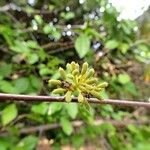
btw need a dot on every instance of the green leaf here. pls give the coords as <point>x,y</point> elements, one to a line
<point>47,29</point>
<point>38,19</point>
<point>5,70</point>
<point>66,126</point>
<point>21,85</point>
<point>111,44</point>
<point>7,87</point>
<point>40,108</point>
<point>32,58</point>
<point>104,95</point>
<point>27,143</point>
<point>67,16</point>
<point>44,71</point>
<point>124,47</point>
<point>35,82</point>
<point>126,28</point>
<point>131,88</point>
<point>20,47</point>
<point>9,113</point>
<point>132,128</point>
<point>143,47</point>
<point>77,141</point>
<point>54,107</point>
<point>94,32</point>
<point>82,45</point>
<point>32,44</point>
<point>56,34</point>
<point>124,78</point>
<point>72,110</point>
<point>4,144</point>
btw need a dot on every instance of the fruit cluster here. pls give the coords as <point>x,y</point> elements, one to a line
<point>75,82</point>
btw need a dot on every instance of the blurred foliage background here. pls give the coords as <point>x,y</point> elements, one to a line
<point>36,37</point>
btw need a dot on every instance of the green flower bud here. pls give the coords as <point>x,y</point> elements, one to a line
<point>69,68</point>
<point>89,87</point>
<point>84,68</point>
<point>68,96</point>
<point>54,82</point>
<point>90,73</point>
<point>98,89</point>
<point>75,72</point>
<point>59,91</point>
<point>82,88</point>
<point>70,76</point>
<point>77,66</point>
<point>80,98</point>
<point>91,81</point>
<point>103,85</point>
<point>73,65</point>
<point>62,73</point>
<point>95,94</point>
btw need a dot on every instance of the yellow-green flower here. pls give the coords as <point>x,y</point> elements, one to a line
<point>76,82</point>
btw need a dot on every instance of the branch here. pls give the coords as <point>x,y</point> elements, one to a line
<point>29,98</point>
<point>61,49</point>
<point>75,124</point>
<point>56,44</point>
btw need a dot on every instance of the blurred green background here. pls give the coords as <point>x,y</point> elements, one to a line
<point>38,36</point>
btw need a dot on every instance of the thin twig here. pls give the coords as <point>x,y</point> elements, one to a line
<point>55,44</point>
<point>29,98</point>
<point>61,49</point>
<point>75,124</point>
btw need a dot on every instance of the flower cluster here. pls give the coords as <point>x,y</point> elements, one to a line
<point>77,82</point>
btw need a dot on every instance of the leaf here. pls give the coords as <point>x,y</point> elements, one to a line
<point>124,47</point>
<point>47,29</point>
<point>66,126</point>
<point>104,94</point>
<point>124,78</point>
<point>27,143</point>
<point>94,33</point>
<point>40,108</point>
<point>143,47</point>
<point>44,71</point>
<point>72,110</point>
<point>77,141</point>
<point>32,44</point>
<point>20,47</point>
<point>4,143</point>
<point>111,44</point>
<point>35,82</point>
<point>131,88</point>
<point>126,28</point>
<point>82,45</point>
<point>32,58</point>
<point>54,107</point>
<point>38,19</point>
<point>7,87</point>
<point>67,16</point>
<point>5,70</point>
<point>132,128</point>
<point>56,34</point>
<point>9,113</point>
<point>21,85</point>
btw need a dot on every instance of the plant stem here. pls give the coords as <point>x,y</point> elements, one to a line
<point>29,98</point>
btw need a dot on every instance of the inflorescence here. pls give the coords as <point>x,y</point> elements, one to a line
<point>77,82</point>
